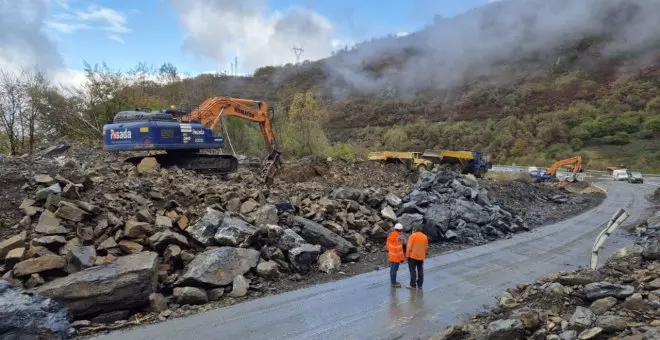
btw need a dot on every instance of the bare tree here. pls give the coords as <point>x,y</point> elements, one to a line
<point>11,107</point>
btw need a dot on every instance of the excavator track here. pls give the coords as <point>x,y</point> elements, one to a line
<point>205,163</point>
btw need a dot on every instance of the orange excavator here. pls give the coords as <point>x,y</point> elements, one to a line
<point>182,135</point>
<point>574,163</point>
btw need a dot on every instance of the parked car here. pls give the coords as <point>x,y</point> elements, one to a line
<point>620,175</point>
<point>635,177</point>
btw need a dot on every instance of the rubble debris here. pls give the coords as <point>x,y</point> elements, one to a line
<point>76,217</point>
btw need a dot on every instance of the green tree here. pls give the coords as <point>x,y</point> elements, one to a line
<point>396,138</point>
<point>303,128</point>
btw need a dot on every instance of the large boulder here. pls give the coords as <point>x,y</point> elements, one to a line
<point>233,232</point>
<point>289,240</point>
<point>600,290</point>
<point>25,316</point>
<point>470,212</point>
<point>123,284</point>
<point>218,267</point>
<point>347,193</point>
<point>203,231</point>
<point>315,233</point>
<point>303,258</point>
<point>437,221</point>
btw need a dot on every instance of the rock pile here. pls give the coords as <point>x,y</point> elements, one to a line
<point>455,208</point>
<point>620,300</point>
<point>110,239</point>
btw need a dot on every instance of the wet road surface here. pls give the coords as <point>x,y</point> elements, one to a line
<point>455,285</point>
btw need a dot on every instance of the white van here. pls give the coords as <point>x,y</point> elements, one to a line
<point>620,175</point>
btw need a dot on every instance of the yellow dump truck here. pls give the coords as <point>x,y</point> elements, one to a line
<point>465,162</point>
<point>413,160</point>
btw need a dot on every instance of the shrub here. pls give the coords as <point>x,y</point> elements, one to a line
<point>577,144</point>
<point>343,151</point>
<point>620,138</point>
<point>652,124</point>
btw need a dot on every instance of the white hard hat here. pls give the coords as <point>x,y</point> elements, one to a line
<point>398,226</point>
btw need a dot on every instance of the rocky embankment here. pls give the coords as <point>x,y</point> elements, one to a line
<point>620,300</point>
<point>121,245</point>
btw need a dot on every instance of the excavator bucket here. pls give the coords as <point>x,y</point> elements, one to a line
<point>270,166</point>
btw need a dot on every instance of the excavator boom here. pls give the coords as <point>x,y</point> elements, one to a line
<point>575,163</point>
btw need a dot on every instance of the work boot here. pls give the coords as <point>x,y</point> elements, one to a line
<point>410,287</point>
<point>396,284</point>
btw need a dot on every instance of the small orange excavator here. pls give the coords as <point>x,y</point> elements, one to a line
<point>182,135</point>
<point>574,163</point>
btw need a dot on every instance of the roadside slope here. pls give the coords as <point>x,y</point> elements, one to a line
<point>365,307</point>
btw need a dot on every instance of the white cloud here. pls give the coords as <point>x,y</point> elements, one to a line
<point>116,38</point>
<point>219,29</point>
<point>67,21</point>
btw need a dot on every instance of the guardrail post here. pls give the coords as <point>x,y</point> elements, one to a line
<point>616,220</point>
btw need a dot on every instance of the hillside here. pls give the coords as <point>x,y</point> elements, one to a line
<point>525,81</point>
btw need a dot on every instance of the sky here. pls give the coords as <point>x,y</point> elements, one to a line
<point>198,36</point>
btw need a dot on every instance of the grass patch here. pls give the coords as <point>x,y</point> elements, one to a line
<point>509,176</point>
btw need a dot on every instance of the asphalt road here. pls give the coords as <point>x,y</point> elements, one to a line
<point>456,284</point>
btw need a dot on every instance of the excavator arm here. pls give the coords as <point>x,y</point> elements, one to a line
<point>210,111</point>
<point>575,162</point>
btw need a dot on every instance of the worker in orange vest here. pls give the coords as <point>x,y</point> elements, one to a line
<point>418,245</point>
<point>396,240</point>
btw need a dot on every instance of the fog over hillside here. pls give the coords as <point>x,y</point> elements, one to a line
<point>471,44</point>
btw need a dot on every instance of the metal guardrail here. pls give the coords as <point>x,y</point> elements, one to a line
<point>619,217</point>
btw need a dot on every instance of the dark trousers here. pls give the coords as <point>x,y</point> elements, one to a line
<point>416,272</point>
<point>394,267</point>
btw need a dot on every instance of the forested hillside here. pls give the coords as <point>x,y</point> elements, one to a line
<point>525,81</point>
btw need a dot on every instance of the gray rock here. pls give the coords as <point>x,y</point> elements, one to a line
<point>190,296</point>
<point>302,258</point>
<point>81,257</point>
<point>601,306</point>
<point>289,240</point>
<point>437,221</point>
<point>203,231</point>
<point>590,333</point>
<point>409,221</point>
<point>240,286</point>
<point>268,269</point>
<point>470,212</point>
<point>49,224</point>
<point>315,233</point>
<point>347,193</point>
<point>583,317</point>
<point>233,232</point>
<point>42,194</point>
<point>125,283</point>
<point>163,222</point>
<point>266,214</point>
<point>388,213</point>
<point>160,240</point>
<point>651,251</point>
<point>611,323</point>
<point>512,329</point>
<point>215,294</point>
<point>568,335</point>
<point>393,200</point>
<point>580,278</point>
<point>218,267</point>
<point>27,315</point>
<point>329,262</point>
<point>599,290</point>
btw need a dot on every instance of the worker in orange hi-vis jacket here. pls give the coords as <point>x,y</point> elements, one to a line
<point>418,245</point>
<point>396,241</point>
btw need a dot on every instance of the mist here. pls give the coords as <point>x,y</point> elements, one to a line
<point>470,45</point>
